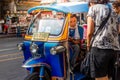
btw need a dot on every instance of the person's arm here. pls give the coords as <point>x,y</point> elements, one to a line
<point>90,30</point>
<point>119,24</point>
<point>119,28</point>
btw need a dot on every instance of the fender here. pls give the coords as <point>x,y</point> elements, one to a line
<point>36,62</point>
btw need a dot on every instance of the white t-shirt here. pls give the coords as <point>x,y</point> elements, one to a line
<point>108,37</point>
<point>76,34</point>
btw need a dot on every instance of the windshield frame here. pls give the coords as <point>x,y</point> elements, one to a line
<point>33,20</point>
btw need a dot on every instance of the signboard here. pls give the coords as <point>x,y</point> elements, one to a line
<point>23,7</point>
<point>26,5</point>
<point>40,36</point>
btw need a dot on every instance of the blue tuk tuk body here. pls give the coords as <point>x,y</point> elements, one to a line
<point>44,65</point>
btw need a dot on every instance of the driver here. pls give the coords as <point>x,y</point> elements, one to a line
<point>74,38</point>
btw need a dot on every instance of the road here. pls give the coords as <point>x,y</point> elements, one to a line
<point>11,60</point>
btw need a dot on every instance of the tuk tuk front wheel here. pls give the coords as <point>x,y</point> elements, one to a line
<point>33,76</point>
<point>47,75</point>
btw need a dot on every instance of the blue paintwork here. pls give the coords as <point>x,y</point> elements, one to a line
<point>26,51</point>
<point>69,7</point>
<point>56,61</point>
<point>42,71</point>
<point>31,62</point>
<point>53,62</point>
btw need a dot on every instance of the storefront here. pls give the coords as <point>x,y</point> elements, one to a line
<point>15,14</point>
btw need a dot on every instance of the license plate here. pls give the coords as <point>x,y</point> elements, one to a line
<point>40,36</point>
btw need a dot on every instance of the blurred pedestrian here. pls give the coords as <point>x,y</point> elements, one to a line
<point>116,8</point>
<point>5,28</point>
<point>105,42</point>
<point>91,3</point>
<point>18,30</point>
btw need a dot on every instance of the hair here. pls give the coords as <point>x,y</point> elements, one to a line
<point>99,1</point>
<point>116,4</point>
<point>73,15</point>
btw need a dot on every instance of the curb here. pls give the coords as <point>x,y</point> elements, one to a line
<point>7,35</point>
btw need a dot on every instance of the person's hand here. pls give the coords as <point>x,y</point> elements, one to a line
<point>70,39</point>
<point>76,41</point>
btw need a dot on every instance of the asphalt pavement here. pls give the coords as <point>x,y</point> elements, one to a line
<point>11,59</point>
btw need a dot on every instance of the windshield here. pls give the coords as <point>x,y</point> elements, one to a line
<point>53,26</point>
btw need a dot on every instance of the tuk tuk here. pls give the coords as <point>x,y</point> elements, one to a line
<point>46,48</point>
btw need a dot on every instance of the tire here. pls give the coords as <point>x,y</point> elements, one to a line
<point>33,76</point>
<point>47,75</point>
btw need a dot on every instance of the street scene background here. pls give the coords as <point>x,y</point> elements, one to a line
<point>14,22</point>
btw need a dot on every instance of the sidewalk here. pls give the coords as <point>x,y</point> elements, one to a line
<point>7,35</point>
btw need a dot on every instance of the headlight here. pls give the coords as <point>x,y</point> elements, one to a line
<point>20,46</point>
<point>34,48</point>
<point>57,49</point>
